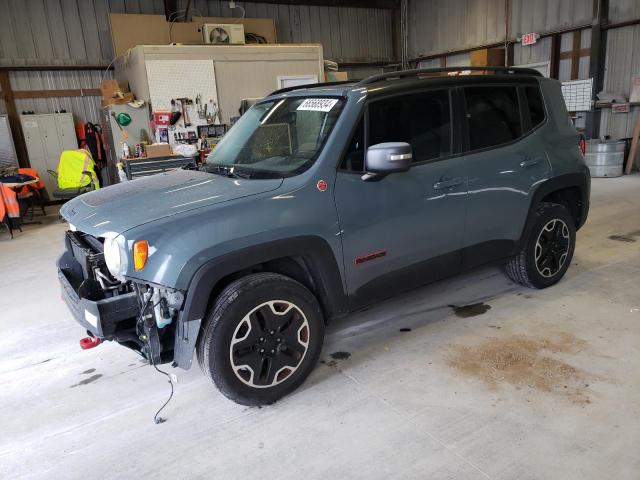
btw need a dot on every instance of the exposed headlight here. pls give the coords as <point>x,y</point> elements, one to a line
<point>115,255</point>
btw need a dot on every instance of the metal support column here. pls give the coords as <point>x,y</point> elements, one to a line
<point>597,60</point>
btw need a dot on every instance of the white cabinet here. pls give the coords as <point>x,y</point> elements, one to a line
<point>46,136</point>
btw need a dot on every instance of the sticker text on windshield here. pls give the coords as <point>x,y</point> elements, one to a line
<point>318,104</point>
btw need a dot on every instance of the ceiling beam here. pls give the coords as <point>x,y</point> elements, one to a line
<point>381,4</point>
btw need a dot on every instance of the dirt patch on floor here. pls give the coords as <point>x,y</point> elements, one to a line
<point>473,310</point>
<point>526,362</point>
<point>628,237</point>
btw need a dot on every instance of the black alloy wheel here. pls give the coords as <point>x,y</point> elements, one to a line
<point>262,338</point>
<point>269,343</point>
<point>552,247</point>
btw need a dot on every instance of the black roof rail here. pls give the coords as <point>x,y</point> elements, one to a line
<point>312,85</point>
<point>422,71</point>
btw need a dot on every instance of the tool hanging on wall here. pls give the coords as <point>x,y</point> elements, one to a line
<point>175,115</point>
<point>121,121</point>
<point>202,110</point>
<point>215,113</point>
<point>184,105</point>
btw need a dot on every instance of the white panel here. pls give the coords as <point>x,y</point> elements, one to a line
<point>577,94</point>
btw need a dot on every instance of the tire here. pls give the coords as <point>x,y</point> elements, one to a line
<point>546,254</point>
<point>262,338</point>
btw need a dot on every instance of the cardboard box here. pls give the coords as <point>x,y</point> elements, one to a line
<point>127,98</point>
<point>158,150</point>
<point>129,30</point>
<point>115,93</point>
<point>331,76</point>
<point>487,57</point>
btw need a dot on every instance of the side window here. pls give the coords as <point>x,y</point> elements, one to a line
<point>420,119</point>
<point>536,105</point>
<point>493,116</point>
<point>354,156</point>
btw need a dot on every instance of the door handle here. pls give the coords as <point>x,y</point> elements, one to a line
<point>450,183</point>
<point>529,163</point>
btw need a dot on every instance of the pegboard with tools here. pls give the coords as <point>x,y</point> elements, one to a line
<point>186,89</point>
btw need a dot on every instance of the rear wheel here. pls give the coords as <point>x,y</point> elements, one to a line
<point>548,250</point>
<point>262,338</point>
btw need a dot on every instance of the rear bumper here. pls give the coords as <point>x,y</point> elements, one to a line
<point>101,317</point>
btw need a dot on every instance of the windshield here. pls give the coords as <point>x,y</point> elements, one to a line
<point>276,139</point>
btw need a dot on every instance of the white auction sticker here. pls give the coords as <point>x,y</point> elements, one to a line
<point>318,104</point>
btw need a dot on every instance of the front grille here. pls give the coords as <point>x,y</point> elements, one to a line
<point>87,252</point>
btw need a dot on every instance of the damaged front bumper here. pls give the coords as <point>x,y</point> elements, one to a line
<point>100,317</point>
<point>142,317</point>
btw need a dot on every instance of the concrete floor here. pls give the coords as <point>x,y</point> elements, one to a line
<point>543,384</point>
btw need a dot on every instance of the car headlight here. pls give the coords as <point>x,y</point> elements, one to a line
<point>115,255</point>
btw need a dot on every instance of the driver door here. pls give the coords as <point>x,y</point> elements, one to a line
<point>405,229</point>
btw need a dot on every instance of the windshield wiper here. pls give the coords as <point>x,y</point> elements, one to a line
<point>227,171</point>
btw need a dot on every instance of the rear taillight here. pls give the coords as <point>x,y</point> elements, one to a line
<point>582,144</point>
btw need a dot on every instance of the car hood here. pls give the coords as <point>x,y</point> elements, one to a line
<point>120,207</point>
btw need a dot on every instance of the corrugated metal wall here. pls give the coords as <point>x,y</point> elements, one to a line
<point>440,26</point>
<point>549,15</point>
<point>346,34</point>
<point>437,26</point>
<point>622,62</point>
<point>76,32</point>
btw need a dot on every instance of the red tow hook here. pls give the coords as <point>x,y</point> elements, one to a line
<point>89,342</point>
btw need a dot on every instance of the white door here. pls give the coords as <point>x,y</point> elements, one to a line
<point>52,147</point>
<point>33,136</point>
<point>66,131</point>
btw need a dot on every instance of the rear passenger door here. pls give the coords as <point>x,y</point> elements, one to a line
<point>404,229</point>
<point>505,159</point>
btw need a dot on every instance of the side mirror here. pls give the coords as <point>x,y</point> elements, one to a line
<point>389,157</point>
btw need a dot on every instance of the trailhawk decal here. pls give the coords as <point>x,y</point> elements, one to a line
<point>370,256</point>
<point>318,104</point>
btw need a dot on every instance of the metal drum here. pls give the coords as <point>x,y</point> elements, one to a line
<point>605,159</point>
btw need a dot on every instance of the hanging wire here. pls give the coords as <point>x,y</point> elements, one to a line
<point>174,17</point>
<point>143,308</point>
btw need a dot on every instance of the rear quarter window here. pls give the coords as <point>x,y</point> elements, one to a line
<point>493,115</point>
<point>536,106</point>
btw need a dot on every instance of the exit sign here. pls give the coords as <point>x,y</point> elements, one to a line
<point>529,38</point>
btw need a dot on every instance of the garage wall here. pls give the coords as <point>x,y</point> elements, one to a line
<point>76,32</point>
<point>622,62</point>
<point>439,26</point>
<point>442,26</point>
<point>346,34</point>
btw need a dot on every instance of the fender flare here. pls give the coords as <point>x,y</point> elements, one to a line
<point>580,180</point>
<point>316,254</point>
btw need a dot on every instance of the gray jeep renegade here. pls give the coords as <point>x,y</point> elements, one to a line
<point>319,201</point>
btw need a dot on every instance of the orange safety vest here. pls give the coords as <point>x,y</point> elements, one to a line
<point>10,201</point>
<point>33,173</point>
<point>27,189</point>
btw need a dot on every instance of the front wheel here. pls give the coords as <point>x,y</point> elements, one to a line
<point>548,250</point>
<point>262,338</point>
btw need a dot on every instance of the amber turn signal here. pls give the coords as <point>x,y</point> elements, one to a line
<point>140,254</point>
